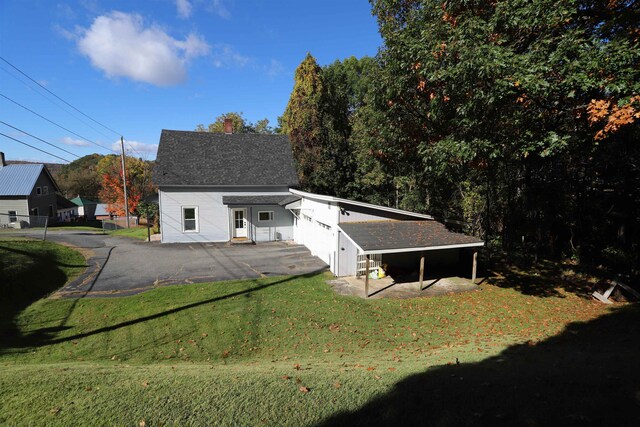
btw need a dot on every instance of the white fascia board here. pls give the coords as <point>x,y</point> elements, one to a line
<point>427,248</point>
<point>350,239</point>
<point>355,203</point>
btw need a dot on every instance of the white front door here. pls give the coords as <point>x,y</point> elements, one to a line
<point>239,222</point>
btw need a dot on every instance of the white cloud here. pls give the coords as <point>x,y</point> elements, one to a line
<point>120,45</point>
<point>224,56</point>
<point>75,142</point>
<point>184,8</point>
<point>218,7</point>
<point>136,148</point>
<point>275,68</point>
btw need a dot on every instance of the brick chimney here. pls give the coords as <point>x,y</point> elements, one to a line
<point>228,126</point>
<point>2,162</point>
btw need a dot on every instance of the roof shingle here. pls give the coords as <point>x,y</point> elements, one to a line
<point>395,235</point>
<point>217,159</point>
<point>259,200</point>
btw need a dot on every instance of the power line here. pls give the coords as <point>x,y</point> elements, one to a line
<point>35,148</point>
<point>52,101</point>
<point>56,124</point>
<point>66,103</point>
<point>39,139</point>
<point>43,87</point>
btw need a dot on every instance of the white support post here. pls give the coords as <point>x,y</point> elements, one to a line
<point>474,267</point>
<point>366,277</point>
<point>421,268</point>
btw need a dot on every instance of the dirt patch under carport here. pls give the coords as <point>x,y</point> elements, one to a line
<point>388,288</point>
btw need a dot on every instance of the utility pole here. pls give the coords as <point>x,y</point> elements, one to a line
<point>124,180</point>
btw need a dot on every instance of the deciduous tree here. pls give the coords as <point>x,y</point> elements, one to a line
<point>138,182</point>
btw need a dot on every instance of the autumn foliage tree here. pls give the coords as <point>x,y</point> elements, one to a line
<point>240,124</point>
<point>522,116</point>
<point>138,183</point>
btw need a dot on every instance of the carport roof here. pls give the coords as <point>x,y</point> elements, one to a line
<point>376,237</point>
<point>281,200</point>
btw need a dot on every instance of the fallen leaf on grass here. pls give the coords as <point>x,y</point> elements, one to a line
<point>145,384</point>
<point>392,369</point>
<point>286,377</point>
<point>371,368</point>
<point>142,423</point>
<point>296,366</point>
<point>337,385</point>
<point>304,389</point>
<point>54,411</point>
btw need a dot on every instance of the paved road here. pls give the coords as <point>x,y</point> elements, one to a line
<point>121,266</point>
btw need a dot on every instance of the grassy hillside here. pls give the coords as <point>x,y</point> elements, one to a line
<point>288,351</point>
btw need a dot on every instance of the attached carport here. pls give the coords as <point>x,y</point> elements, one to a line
<point>371,238</point>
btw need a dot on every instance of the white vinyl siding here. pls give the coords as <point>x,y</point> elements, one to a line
<point>214,218</point>
<point>317,229</point>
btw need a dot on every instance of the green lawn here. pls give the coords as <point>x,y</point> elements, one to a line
<point>135,232</point>
<point>288,351</point>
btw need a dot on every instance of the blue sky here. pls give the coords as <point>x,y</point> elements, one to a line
<point>141,66</point>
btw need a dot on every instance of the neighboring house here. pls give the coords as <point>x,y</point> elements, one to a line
<point>67,210</point>
<point>239,188</point>
<point>86,208</point>
<point>26,191</point>
<point>101,212</point>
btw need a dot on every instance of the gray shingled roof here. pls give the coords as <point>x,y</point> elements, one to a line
<point>205,158</point>
<point>18,180</point>
<point>259,200</point>
<point>396,235</point>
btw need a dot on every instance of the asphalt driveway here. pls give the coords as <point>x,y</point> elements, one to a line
<point>121,266</point>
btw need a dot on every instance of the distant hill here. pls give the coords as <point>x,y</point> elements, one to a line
<point>54,168</point>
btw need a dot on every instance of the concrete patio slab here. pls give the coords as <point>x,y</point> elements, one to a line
<point>388,288</point>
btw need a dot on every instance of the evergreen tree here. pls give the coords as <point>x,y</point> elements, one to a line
<point>304,122</point>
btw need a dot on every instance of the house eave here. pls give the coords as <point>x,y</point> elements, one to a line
<point>356,203</point>
<point>419,249</point>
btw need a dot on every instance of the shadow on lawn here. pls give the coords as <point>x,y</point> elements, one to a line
<point>589,374</point>
<point>546,278</point>
<point>31,277</point>
<point>44,336</point>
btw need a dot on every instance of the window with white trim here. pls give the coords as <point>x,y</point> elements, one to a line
<point>265,216</point>
<point>323,225</point>
<point>190,219</point>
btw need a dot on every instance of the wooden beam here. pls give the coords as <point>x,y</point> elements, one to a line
<point>474,268</point>
<point>421,268</point>
<point>366,277</point>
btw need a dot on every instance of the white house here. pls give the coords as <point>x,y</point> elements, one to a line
<point>237,188</point>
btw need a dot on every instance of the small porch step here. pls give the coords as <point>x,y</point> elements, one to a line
<point>241,241</point>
